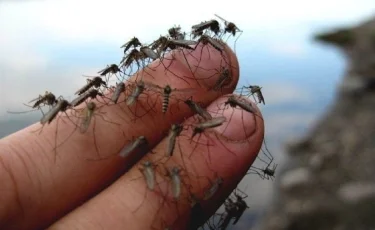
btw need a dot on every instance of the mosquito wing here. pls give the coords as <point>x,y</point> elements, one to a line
<point>126,44</point>
<point>214,122</point>
<point>51,114</point>
<point>242,206</point>
<point>184,43</point>
<point>118,90</point>
<point>86,120</point>
<point>176,182</point>
<point>202,25</point>
<point>149,174</point>
<point>140,141</point>
<point>260,97</point>
<point>84,88</point>
<point>153,86</point>
<point>105,71</point>
<point>149,52</point>
<point>213,189</point>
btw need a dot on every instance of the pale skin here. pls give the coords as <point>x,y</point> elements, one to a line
<point>71,192</point>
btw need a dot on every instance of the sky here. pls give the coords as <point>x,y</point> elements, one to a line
<point>49,45</point>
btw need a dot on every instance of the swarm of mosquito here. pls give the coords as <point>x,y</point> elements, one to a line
<point>93,96</point>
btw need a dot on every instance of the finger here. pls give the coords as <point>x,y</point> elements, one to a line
<point>36,190</point>
<point>231,154</point>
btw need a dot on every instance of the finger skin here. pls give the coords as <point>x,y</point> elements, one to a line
<point>36,191</point>
<point>118,206</point>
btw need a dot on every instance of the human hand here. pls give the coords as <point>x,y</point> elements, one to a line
<point>75,193</point>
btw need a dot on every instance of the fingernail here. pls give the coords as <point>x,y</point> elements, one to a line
<point>240,124</point>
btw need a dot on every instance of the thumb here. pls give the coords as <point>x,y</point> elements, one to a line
<point>224,152</point>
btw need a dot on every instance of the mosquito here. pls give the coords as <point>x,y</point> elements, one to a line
<point>223,80</point>
<point>148,172</point>
<point>230,212</point>
<point>234,102</point>
<point>166,92</point>
<point>255,89</point>
<point>205,40</point>
<point>113,68</point>
<point>197,109</point>
<point>139,88</point>
<point>134,55</point>
<point>147,51</point>
<point>138,57</point>
<point>174,44</point>
<point>48,99</point>
<point>268,173</point>
<point>175,33</point>
<point>133,42</point>
<point>162,44</point>
<point>201,127</point>
<point>61,106</point>
<point>88,113</point>
<point>231,28</point>
<point>139,143</point>
<point>92,93</point>
<point>174,132</point>
<point>213,189</point>
<point>241,207</point>
<point>120,88</point>
<point>85,117</point>
<point>95,82</point>
<point>174,174</point>
<point>214,122</point>
<point>212,25</point>
<point>175,183</point>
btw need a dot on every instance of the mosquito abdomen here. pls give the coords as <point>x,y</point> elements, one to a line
<point>165,102</point>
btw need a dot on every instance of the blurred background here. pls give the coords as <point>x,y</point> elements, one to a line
<point>48,45</point>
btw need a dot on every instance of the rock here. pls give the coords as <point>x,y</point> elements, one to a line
<point>355,192</point>
<point>295,179</point>
<point>333,186</point>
